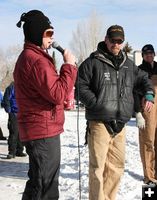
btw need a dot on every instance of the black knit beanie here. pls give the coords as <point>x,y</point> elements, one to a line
<point>35,23</point>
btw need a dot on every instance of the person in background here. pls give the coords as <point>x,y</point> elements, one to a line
<point>15,147</point>
<point>40,94</point>
<point>105,86</point>
<point>1,135</point>
<point>69,103</point>
<point>148,134</point>
<point>1,96</point>
<point>1,132</point>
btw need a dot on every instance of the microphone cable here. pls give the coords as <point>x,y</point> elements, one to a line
<point>61,50</point>
<point>78,138</point>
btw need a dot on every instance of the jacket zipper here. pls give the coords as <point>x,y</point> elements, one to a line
<point>53,113</point>
<point>118,104</point>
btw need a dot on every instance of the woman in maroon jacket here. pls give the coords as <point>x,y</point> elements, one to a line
<point>40,94</point>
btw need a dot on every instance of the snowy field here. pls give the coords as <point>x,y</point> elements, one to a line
<point>13,173</point>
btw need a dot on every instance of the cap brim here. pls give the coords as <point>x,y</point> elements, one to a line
<point>116,36</point>
<point>148,51</point>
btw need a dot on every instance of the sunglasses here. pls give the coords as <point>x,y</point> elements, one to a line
<point>115,41</point>
<point>48,34</point>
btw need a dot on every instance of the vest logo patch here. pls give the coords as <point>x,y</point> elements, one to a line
<point>107,76</point>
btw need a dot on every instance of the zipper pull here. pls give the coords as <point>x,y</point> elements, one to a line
<point>117,74</point>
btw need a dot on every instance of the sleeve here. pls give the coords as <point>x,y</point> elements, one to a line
<point>1,96</point>
<point>6,100</point>
<point>143,83</point>
<point>83,90</point>
<point>51,86</point>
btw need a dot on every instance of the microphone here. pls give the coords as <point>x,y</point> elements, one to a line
<point>58,47</point>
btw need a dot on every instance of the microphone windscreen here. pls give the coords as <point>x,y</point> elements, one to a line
<point>58,47</point>
<point>55,44</point>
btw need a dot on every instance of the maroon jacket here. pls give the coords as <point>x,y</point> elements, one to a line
<point>40,93</point>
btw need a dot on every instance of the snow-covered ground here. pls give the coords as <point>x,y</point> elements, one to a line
<point>13,173</point>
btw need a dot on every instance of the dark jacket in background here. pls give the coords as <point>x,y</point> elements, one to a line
<point>148,68</point>
<point>139,89</point>
<point>15,146</point>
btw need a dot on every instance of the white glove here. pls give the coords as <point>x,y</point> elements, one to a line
<point>140,121</point>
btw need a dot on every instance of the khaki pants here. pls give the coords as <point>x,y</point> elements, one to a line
<point>106,161</point>
<point>148,140</point>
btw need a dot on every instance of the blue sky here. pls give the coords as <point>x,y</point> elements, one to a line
<point>138,17</point>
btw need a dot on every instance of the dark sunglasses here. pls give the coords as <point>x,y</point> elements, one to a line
<point>115,41</point>
<point>48,34</point>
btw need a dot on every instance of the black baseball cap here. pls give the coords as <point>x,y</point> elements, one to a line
<point>148,48</point>
<point>116,31</point>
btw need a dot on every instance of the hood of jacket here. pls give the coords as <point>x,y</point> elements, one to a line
<point>102,53</point>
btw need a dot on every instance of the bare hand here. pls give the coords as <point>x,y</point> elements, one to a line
<point>148,106</point>
<point>69,57</point>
